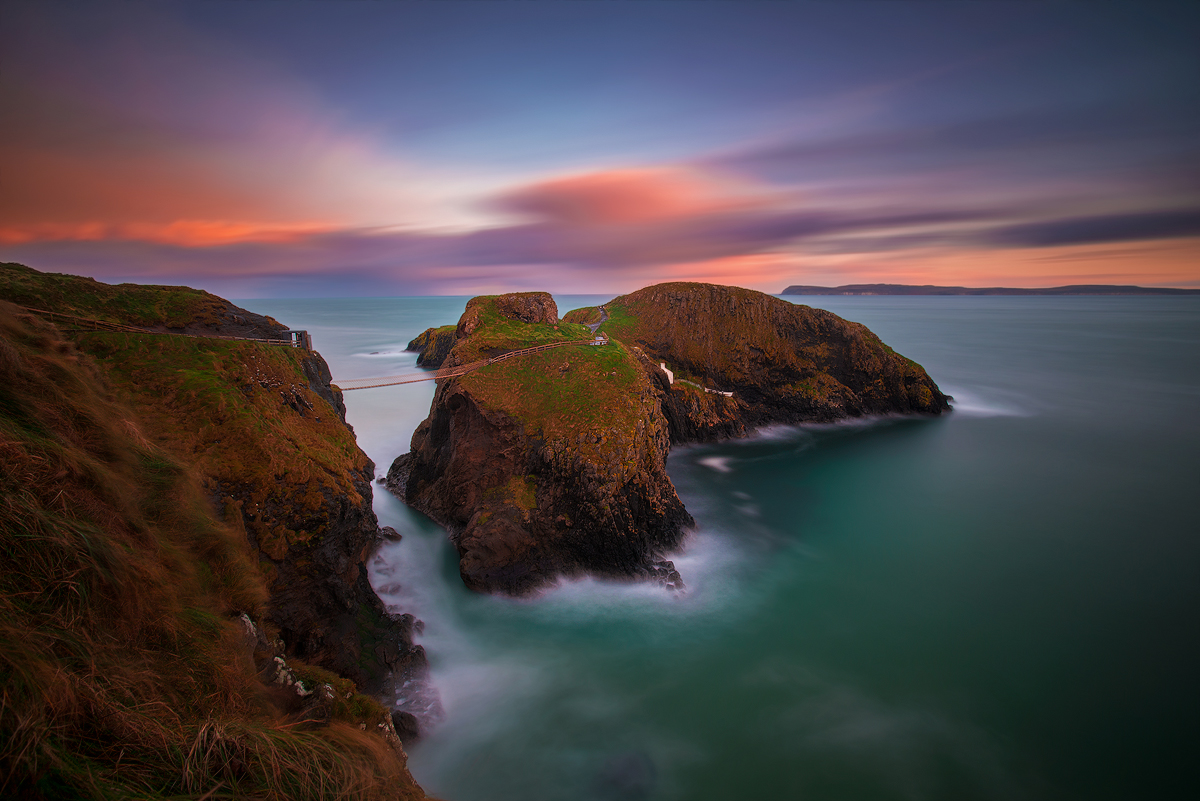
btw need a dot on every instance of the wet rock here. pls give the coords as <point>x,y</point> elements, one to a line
<point>433,345</point>
<point>406,726</point>
<point>664,573</point>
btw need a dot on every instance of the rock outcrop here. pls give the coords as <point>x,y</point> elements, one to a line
<point>553,463</point>
<point>433,345</point>
<point>783,363</point>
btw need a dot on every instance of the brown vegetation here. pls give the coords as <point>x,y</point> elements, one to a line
<point>124,672</point>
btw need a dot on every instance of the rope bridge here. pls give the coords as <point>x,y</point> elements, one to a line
<point>458,369</point>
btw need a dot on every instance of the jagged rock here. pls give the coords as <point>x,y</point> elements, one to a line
<point>406,727</point>
<point>664,573</point>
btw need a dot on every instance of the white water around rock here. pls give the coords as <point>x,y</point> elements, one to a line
<point>1001,603</point>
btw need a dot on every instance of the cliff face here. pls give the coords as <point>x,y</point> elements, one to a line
<point>131,665</point>
<point>783,363</point>
<point>553,463</point>
<point>433,345</point>
<point>265,432</point>
<point>549,464</point>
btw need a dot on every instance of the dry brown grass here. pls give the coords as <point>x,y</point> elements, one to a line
<point>122,674</point>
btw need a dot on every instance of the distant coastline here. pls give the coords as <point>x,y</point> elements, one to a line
<point>906,289</point>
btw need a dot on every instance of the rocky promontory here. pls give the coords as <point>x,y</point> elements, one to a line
<point>780,362</point>
<point>546,465</point>
<point>188,519</point>
<point>432,345</point>
<point>553,463</point>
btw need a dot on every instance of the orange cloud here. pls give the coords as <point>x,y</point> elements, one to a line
<point>628,196</point>
<point>184,233</point>
<point>1168,262</point>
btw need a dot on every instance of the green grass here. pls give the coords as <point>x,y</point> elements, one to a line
<point>584,316</point>
<point>129,304</point>
<point>563,392</point>
<point>576,394</point>
<point>227,408</point>
<point>498,334</point>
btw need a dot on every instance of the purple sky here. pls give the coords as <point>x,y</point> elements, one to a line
<point>402,148</point>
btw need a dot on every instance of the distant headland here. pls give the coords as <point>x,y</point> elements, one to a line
<point>906,289</point>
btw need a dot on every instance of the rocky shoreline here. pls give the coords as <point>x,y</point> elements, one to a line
<point>557,466</point>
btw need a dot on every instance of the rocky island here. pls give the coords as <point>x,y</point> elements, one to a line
<point>554,463</point>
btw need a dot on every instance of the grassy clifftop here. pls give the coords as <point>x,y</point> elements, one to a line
<point>246,417</point>
<point>787,363</point>
<point>123,671</point>
<point>576,392</point>
<point>146,306</point>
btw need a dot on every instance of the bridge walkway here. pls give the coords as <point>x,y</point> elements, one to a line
<point>460,369</point>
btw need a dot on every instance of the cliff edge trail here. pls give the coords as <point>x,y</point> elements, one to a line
<point>553,464</point>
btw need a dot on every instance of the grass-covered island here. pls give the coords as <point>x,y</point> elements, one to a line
<point>184,609</point>
<point>554,463</point>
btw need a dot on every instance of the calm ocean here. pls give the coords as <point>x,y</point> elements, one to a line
<point>1002,603</point>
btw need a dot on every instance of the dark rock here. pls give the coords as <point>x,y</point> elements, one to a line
<point>320,382</point>
<point>407,727</point>
<point>664,573</point>
<point>590,515</point>
<point>433,345</point>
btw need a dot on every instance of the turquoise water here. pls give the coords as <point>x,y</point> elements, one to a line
<point>1002,603</point>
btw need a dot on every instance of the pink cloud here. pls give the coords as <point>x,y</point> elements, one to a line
<point>624,197</point>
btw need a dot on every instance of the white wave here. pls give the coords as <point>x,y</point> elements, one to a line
<point>718,463</point>
<point>382,354</point>
<point>985,403</point>
<point>707,565</point>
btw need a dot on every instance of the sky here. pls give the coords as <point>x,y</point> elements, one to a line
<point>375,148</point>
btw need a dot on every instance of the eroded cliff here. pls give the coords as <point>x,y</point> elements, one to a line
<point>261,432</point>
<point>131,664</point>
<point>783,363</point>
<point>433,345</point>
<point>545,465</point>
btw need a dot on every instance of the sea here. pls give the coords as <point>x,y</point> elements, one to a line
<point>1000,603</point>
